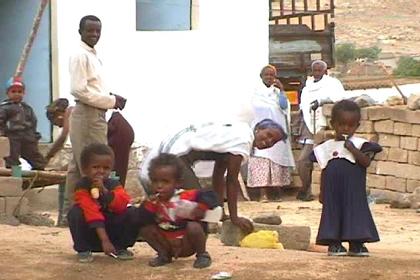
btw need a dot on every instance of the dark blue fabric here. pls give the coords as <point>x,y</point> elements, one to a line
<point>345,213</point>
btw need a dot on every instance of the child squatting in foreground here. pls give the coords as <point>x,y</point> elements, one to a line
<point>346,216</point>
<point>102,223</point>
<point>177,212</point>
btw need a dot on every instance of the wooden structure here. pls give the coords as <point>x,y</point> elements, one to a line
<point>40,178</point>
<point>301,31</point>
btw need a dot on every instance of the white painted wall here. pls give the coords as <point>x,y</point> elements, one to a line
<point>172,79</point>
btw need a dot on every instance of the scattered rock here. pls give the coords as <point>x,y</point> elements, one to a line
<point>268,218</point>
<point>413,102</point>
<point>9,220</point>
<point>35,219</point>
<point>403,202</point>
<point>394,101</point>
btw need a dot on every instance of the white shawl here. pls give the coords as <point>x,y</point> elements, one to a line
<point>326,88</point>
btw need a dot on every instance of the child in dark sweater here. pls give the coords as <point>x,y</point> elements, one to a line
<point>18,122</point>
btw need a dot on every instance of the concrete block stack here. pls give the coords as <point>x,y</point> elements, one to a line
<point>10,189</point>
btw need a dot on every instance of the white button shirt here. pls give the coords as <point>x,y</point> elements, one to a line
<point>86,79</point>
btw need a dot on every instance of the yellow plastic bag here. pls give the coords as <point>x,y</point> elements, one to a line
<point>263,239</point>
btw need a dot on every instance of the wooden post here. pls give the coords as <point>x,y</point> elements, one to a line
<point>35,27</point>
<point>281,7</point>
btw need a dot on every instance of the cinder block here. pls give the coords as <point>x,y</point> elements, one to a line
<point>386,126</point>
<point>365,127</point>
<point>378,113</point>
<point>4,147</point>
<point>396,184</point>
<point>316,189</point>
<point>400,170</point>
<point>316,177</point>
<point>292,237</point>
<point>409,143</point>
<point>372,167</point>
<point>10,186</point>
<point>413,117</point>
<point>415,130</point>
<point>376,181</point>
<point>383,155</point>
<point>398,155</point>
<point>12,202</point>
<point>389,168</point>
<point>398,114</point>
<point>389,140</point>
<point>364,113</point>
<point>402,128</point>
<point>412,185</point>
<point>414,158</point>
<point>2,205</point>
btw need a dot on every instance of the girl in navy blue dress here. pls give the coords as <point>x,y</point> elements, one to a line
<point>345,214</point>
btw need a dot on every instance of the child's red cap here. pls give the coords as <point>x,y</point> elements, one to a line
<point>15,82</point>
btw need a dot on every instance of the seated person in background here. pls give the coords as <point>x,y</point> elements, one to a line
<point>18,123</point>
<point>179,231</point>
<point>101,222</point>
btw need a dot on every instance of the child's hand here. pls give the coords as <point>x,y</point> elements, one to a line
<point>349,145</point>
<point>98,182</point>
<point>108,248</point>
<point>198,213</point>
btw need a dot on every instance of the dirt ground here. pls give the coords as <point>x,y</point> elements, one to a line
<point>29,252</point>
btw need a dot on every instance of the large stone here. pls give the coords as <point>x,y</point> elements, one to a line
<point>386,126</point>
<point>402,202</point>
<point>409,143</point>
<point>379,113</point>
<point>372,167</point>
<point>389,140</point>
<point>402,128</point>
<point>414,158</point>
<point>268,218</point>
<point>384,196</point>
<point>4,147</point>
<point>396,184</point>
<point>415,130</point>
<point>365,127</point>
<point>376,181</point>
<point>398,155</point>
<point>10,186</point>
<point>412,185</point>
<point>292,237</point>
<point>413,102</point>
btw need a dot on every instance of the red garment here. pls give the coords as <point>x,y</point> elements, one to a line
<point>115,201</point>
<point>120,138</point>
<point>171,225</point>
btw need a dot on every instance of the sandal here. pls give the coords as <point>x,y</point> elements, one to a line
<point>159,261</point>
<point>202,260</point>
